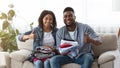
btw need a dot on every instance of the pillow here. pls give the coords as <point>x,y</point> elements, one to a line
<point>27,45</point>
<point>20,55</point>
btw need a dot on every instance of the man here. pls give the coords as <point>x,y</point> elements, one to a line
<point>81,33</point>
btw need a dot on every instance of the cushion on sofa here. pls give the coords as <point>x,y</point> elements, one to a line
<point>20,55</point>
<point>28,64</point>
<point>74,65</point>
<point>106,57</point>
<point>109,42</point>
<point>25,45</point>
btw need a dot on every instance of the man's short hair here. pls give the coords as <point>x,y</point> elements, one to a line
<point>68,9</point>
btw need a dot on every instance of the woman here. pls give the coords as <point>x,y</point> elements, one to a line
<point>43,35</point>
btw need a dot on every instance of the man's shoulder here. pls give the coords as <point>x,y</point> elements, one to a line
<point>62,28</point>
<point>79,23</point>
<point>82,24</point>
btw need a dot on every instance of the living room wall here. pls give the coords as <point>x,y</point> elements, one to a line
<point>97,13</point>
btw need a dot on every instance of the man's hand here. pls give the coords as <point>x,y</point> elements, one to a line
<point>66,53</point>
<point>86,38</point>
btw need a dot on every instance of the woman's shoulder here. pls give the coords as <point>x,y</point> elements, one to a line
<point>56,29</point>
<point>37,28</point>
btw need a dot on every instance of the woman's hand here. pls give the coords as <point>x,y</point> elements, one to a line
<point>30,36</point>
<point>51,47</point>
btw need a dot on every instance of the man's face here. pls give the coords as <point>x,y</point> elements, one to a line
<point>69,18</point>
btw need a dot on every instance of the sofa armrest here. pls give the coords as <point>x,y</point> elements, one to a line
<point>20,55</point>
<point>4,59</point>
<point>106,57</point>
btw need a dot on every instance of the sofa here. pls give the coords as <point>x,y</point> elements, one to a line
<point>4,60</point>
<point>105,54</point>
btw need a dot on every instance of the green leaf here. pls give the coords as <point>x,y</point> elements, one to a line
<point>3,16</point>
<point>31,25</point>
<point>17,31</point>
<point>11,13</point>
<point>9,18</point>
<point>5,24</point>
<point>8,33</point>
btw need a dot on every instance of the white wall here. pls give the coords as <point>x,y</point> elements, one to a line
<point>97,13</point>
<point>116,5</point>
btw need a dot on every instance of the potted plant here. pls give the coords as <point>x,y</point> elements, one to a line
<point>8,33</point>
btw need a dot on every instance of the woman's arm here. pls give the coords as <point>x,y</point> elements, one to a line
<point>26,36</point>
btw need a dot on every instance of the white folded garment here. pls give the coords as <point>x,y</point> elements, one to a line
<point>67,49</point>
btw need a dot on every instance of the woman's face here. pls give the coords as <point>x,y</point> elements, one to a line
<point>47,20</point>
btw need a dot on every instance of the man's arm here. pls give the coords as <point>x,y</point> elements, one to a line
<point>87,39</point>
<point>59,35</point>
<point>91,37</point>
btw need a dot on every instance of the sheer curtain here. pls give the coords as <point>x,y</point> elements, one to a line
<point>100,15</point>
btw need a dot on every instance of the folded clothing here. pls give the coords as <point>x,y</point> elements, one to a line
<point>67,49</point>
<point>35,59</point>
<point>65,45</point>
<point>43,59</point>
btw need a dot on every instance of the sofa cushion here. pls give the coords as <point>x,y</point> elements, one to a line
<point>74,65</point>
<point>28,64</point>
<point>106,57</point>
<point>109,42</point>
<point>20,55</point>
<point>28,44</point>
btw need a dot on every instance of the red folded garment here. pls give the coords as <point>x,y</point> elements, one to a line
<point>43,59</point>
<point>35,59</point>
<point>65,45</point>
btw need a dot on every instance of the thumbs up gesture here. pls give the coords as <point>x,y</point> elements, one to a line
<point>32,35</point>
<point>87,38</point>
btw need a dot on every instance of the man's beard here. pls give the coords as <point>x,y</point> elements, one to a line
<point>69,25</point>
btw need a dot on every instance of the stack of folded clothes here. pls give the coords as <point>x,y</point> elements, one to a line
<point>67,45</point>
